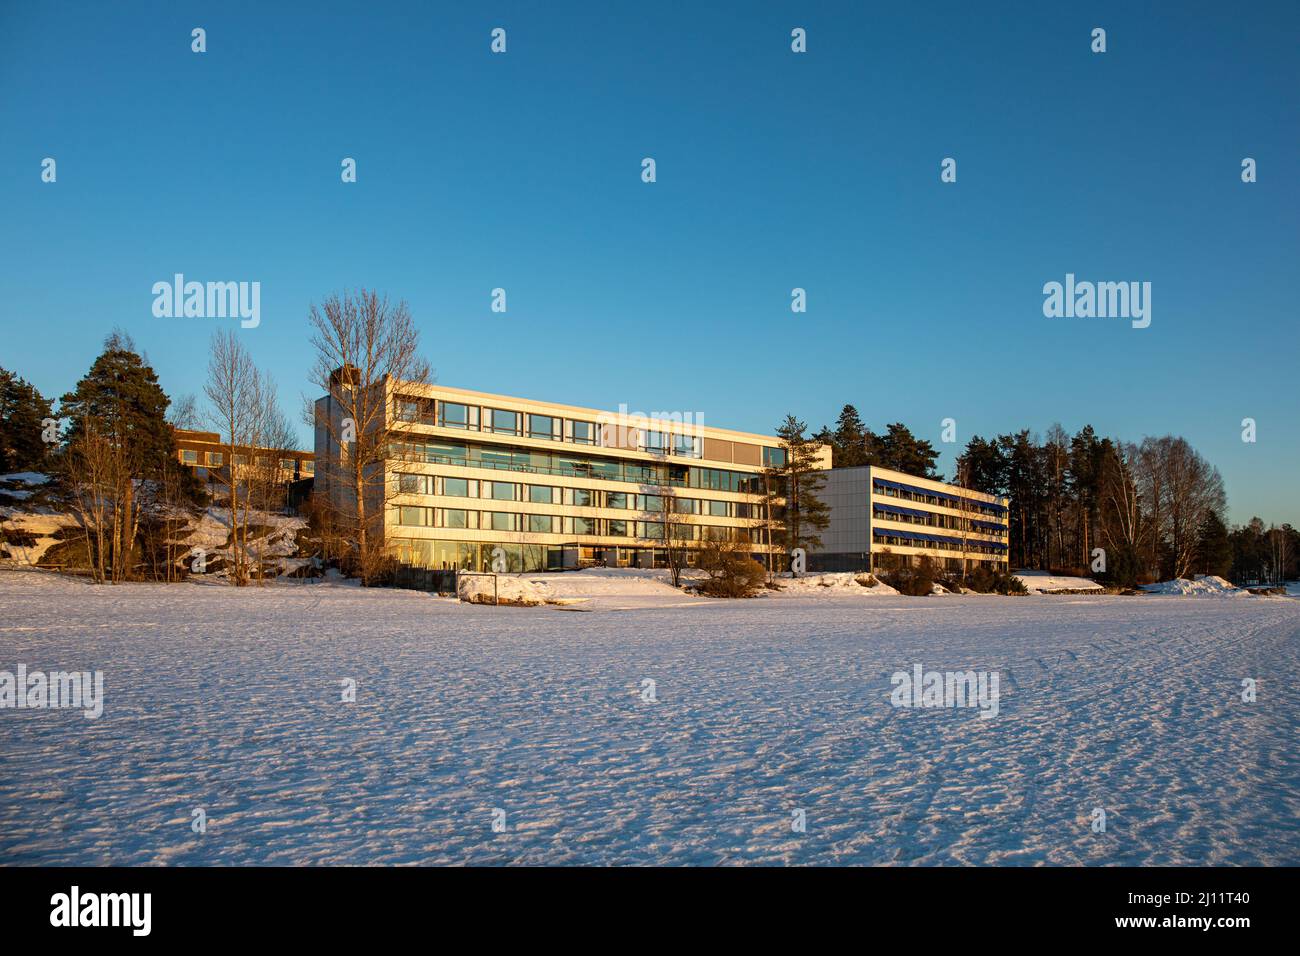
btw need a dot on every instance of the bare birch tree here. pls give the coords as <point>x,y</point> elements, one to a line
<point>362,344</point>
<point>232,378</point>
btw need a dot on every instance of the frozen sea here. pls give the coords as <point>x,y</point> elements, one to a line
<point>230,701</point>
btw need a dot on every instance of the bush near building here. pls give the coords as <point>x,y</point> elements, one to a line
<point>732,573</point>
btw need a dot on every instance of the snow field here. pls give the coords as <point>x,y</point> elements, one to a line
<point>230,700</point>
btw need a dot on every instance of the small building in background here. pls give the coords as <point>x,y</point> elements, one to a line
<point>206,454</point>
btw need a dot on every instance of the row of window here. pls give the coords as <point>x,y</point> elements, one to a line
<point>215,459</point>
<point>513,521</point>
<point>937,519</point>
<point>500,421</point>
<point>972,504</point>
<point>576,497</point>
<point>482,555</point>
<point>972,547</point>
<point>556,463</point>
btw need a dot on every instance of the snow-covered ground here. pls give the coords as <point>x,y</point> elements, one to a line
<point>229,700</point>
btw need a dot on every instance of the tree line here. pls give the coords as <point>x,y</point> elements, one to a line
<point>1126,512</point>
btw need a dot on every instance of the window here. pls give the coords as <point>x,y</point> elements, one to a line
<point>582,525</point>
<point>189,457</point>
<point>651,502</point>
<point>688,446</point>
<point>616,499</point>
<point>455,518</point>
<point>240,459</point>
<point>309,467</point>
<point>503,521</point>
<point>413,516</point>
<point>654,441</point>
<point>651,529</point>
<point>573,466</point>
<point>774,457</point>
<point>453,415</point>
<point>408,410</point>
<point>718,509</point>
<point>685,506</point>
<point>584,433</point>
<point>581,497</point>
<point>410,484</point>
<point>287,464</point>
<point>504,423</point>
<point>543,426</point>
<point>618,527</point>
<point>541,524</point>
<point>216,458</point>
<point>541,494</point>
<point>501,490</point>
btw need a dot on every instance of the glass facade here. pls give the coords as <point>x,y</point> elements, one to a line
<point>528,449</point>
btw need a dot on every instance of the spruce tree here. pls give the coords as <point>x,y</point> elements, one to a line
<point>1214,547</point>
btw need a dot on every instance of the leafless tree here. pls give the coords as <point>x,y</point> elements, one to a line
<point>90,464</point>
<point>1179,488</point>
<point>268,477</point>
<point>230,390</point>
<point>1121,509</point>
<point>362,344</point>
<point>184,413</point>
<point>679,523</point>
<point>246,412</point>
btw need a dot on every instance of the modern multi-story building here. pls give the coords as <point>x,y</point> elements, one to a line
<point>878,516</point>
<point>205,452</point>
<point>552,485</point>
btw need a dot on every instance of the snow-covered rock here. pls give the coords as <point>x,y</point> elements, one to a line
<point>505,589</point>
<point>1040,582</point>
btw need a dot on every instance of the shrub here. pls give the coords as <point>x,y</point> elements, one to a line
<point>986,581</point>
<point>732,573</point>
<point>915,580</point>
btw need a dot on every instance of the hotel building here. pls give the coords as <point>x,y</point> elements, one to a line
<point>880,516</point>
<point>552,486</point>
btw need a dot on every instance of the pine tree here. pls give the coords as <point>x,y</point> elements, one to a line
<point>122,395</point>
<point>800,479</point>
<point>984,466</point>
<point>903,451</point>
<point>119,408</point>
<point>23,412</point>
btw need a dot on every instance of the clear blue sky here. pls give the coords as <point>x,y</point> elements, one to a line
<point>775,170</point>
